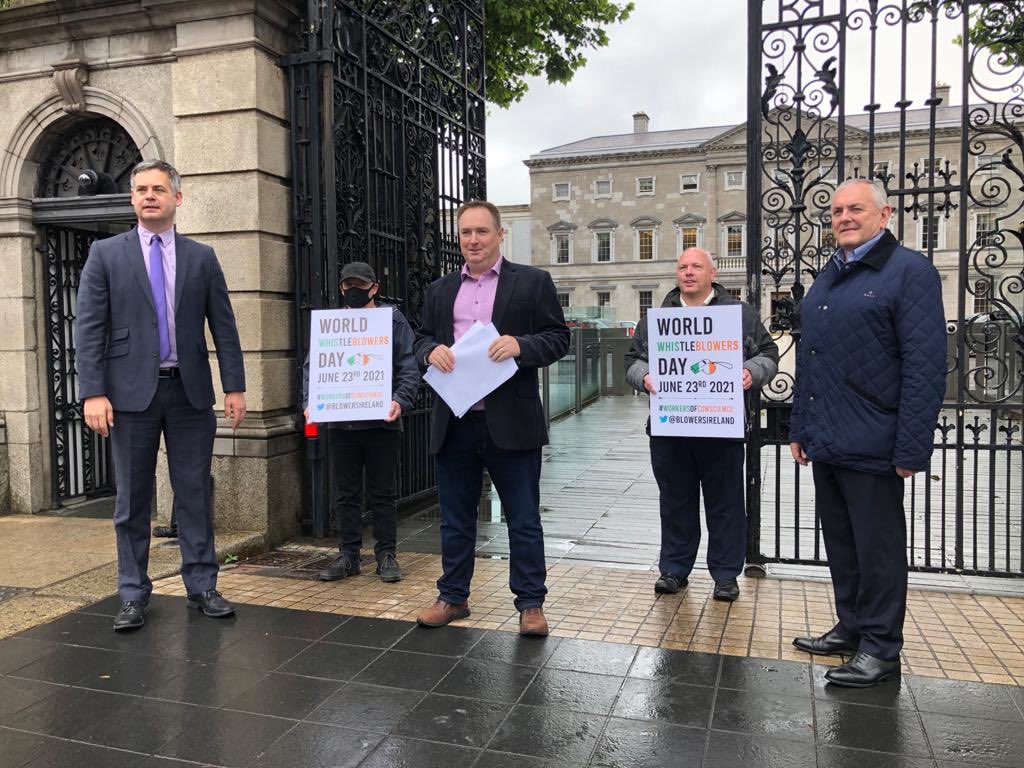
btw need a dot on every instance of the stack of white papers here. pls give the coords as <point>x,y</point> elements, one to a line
<point>475,375</point>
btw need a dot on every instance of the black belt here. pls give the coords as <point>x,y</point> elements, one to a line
<point>170,373</point>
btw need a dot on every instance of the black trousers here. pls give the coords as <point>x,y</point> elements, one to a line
<point>188,437</point>
<point>684,467</point>
<point>865,532</point>
<point>375,450</point>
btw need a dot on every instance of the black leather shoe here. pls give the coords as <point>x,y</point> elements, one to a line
<point>165,532</point>
<point>132,615</point>
<point>726,590</point>
<point>669,584</point>
<point>212,603</point>
<point>863,671</point>
<point>387,568</point>
<point>829,644</point>
<point>343,565</point>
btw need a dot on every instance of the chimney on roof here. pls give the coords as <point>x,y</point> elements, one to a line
<point>942,92</point>
<point>641,122</point>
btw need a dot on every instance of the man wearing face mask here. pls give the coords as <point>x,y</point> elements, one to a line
<point>370,445</point>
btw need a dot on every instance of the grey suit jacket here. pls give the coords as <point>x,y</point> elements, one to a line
<point>116,339</point>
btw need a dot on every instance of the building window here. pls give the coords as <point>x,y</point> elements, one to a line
<point>985,228</point>
<point>646,302</point>
<point>645,185</point>
<point>930,229</point>
<point>561,245</point>
<point>735,179</point>
<point>734,240</point>
<point>603,188</point>
<point>880,171</point>
<point>604,298</point>
<point>563,299</point>
<point>645,244</point>
<point>736,293</point>
<point>689,182</point>
<point>936,163</point>
<point>560,190</point>
<point>687,238</point>
<point>602,246</point>
<point>982,296</point>
<point>989,164</point>
<point>828,238</point>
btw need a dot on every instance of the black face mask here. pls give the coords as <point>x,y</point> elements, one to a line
<point>355,298</point>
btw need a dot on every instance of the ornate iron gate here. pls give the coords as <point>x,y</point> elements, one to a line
<point>842,88</point>
<point>387,114</point>
<point>82,463</point>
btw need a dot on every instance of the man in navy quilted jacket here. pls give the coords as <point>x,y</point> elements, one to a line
<point>870,379</point>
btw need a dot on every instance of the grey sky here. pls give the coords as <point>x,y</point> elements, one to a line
<point>684,63</point>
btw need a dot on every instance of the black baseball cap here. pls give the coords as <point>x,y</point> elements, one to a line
<point>359,270</point>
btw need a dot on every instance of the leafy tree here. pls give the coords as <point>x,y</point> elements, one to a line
<point>526,38</point>
<point>997,26</point>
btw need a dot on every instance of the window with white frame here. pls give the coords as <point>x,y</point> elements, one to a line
<point>645,244</point>
<point>735,179</point>
<point>985,227</point>
<point>561,243</point>
<point>688,238</point>
<point>930,231</point>
<point>563,299</point>
<point>602,246</point>
<point>736,293</point>
<point>827,237</point>
<point>689,182</point>
<point>645,185</point>
<point>880,170</point>
<point>982,296</point>
<point>560,190</point>
<point>989,163</point>
<point>930,163</point>
<point>603,188</point>
<point>734,240</point>
<point>646,302</point>
<point>604,298</point>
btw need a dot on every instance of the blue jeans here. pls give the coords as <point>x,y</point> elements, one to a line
<point>467,451</point>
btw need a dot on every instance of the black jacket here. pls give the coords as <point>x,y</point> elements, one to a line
<point>525,306</point>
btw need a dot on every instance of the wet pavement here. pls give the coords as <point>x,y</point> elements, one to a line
<point>279,687</point>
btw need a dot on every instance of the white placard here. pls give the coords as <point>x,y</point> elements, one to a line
<point>350,364</point>
<point>475,375</point>
<point>696,359</point>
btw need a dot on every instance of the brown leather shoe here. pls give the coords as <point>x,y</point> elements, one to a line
<point>532,622</point>
<point>441,613</point>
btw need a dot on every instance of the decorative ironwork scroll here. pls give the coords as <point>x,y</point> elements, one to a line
<point>851,88</point>
<point>92,157</point>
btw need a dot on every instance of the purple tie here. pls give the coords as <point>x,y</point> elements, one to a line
<point>156,282</point>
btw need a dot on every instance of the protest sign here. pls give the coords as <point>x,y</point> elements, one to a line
<point>350,364</point>
<point>696,360</point>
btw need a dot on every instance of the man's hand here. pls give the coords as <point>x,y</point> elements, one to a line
<point>798,454</point>
<point>234,407</point>
<point>98,414</point>
<point>905,473</point>
<point>502,348</point>
<point>394,411</point>
<point>442,358</point>
<point>748,380</point>
<point>649,384</point>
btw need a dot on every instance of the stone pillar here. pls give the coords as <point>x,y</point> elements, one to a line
<point>711,237</point>
<point>231,146</point>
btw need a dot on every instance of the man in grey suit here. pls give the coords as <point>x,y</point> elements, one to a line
<point>143,304</point>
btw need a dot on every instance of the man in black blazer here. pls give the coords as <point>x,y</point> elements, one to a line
<point>143,304</point>
<point>505,431</point>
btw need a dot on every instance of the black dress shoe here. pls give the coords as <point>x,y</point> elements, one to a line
<point>829,644</point>
<point>132,615</point>
<point>863,671</point>
<point>165,532</point>
<point>212,603</point>
<point>726,590</point>
<point>343,565</point>
<point>387,568</point>
<point>669,584</point>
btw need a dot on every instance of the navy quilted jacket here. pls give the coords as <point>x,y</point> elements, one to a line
<point>871,369</point>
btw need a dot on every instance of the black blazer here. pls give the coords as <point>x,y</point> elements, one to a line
<point>116,338</point>
<point>525,306</point>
